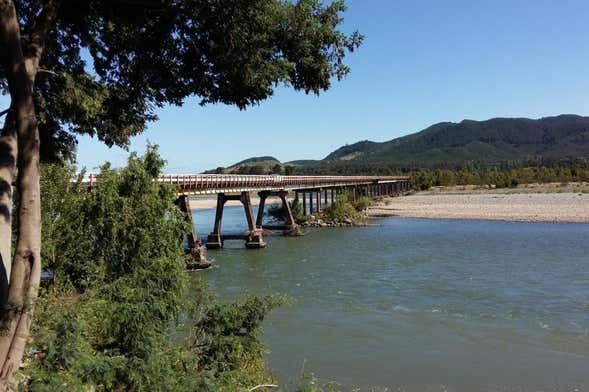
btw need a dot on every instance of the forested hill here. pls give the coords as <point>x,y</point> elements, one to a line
<point>255,165</point>
<point>492,141</point>
<point>455,145</point>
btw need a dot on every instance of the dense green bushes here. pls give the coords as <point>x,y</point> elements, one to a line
<point>344,208</point>
<point>297,211</point>
<point>120,312</point>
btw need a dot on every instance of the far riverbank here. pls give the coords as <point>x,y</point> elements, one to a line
<point>507,206</point>
<point>526,203</point>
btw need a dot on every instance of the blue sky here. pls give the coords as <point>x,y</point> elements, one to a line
<point>422,62</point>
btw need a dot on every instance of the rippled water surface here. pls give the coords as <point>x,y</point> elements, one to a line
<point>418,305</point>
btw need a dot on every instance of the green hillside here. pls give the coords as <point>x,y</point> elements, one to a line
<point>255,165</point>
<point>492,141</point>
<point>497,141</point>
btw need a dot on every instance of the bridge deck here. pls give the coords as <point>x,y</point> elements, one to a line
<point>204,184</point>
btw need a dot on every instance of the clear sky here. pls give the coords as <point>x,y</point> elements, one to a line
<point>422,62</point>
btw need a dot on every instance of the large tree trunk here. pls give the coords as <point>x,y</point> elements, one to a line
<point>26,266</point>
<point>8,155</point>
<point>25,271</point>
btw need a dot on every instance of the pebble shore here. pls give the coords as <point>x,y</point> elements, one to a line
<point>524,207</point>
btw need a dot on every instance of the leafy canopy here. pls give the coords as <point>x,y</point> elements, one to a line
<point>109,64</point>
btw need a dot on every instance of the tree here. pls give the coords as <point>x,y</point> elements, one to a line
<point>103,67</point>
<point>276,169</point>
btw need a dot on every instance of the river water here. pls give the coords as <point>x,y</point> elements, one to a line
<point>420,305</point>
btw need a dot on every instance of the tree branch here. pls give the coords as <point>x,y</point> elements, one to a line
<point>2,113</point>
<point>42,70</point>
<point>262,386</point>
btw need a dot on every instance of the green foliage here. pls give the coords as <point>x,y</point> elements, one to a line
<point>120,313</point>
<point>297,211</point>
<point>90,236</point>
<point>362,203</point>
<point>341,209</point>
<point>230,52</point>
<point>250,169</point>
<point>277,169</point>
<point>455,145</point>
<point>228,335</point>
<point>506,177</point>
<point>501,143</point>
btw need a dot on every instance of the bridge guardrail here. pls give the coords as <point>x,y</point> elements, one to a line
<point>206,183</point>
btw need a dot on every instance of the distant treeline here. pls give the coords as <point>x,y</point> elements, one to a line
<point>501,175</point>
<point>499,178</point>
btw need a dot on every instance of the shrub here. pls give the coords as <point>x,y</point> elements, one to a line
<point>362,203</point>
<point>297,211</point>
<point>120,313</point>
<point>341,209</point>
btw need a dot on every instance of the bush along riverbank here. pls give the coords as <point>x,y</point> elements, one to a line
<point>343,212</point>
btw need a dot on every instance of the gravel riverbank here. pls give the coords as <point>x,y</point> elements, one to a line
<point>526,207</point>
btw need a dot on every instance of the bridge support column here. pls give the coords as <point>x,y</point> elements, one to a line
<point>290,227</point>
<point>311,203</point>
<point>318,196</point>
<point>214,240</point>
<point>253,238</point>
<point>261,206</point>
<point>195,247</point>
<point>304,203</point>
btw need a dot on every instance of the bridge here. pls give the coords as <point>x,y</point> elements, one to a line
<point>313,192</point>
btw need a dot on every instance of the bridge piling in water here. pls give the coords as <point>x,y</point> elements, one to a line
<point>195,247</point>
<point>290,227</point>
<point>253,238</point>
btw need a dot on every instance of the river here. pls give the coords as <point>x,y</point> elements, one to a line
<point>420,305</point>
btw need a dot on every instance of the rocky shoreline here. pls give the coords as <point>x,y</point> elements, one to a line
<point>321,221</point>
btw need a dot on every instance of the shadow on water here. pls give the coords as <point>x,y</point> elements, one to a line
<point>417,304</point>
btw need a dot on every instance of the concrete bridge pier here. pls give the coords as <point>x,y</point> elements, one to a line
<point>290,227</point>
<point>318,197</point>
<point>194,242</point>
<point>253,239</point>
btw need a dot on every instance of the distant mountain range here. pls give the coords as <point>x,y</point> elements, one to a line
<point>448,144</point>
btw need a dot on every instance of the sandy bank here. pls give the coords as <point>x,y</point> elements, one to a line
<point>527,207</point>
